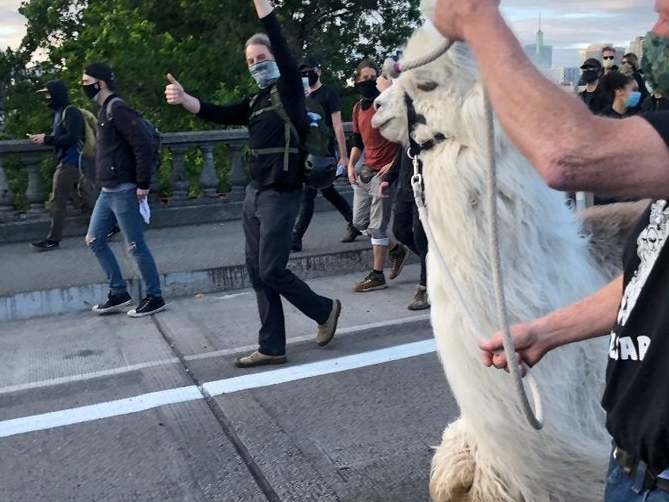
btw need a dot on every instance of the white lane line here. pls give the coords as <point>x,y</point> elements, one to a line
<point>98,411</point>
<point>52,382</point>
<point>145,402</point>
<point>326,367</point>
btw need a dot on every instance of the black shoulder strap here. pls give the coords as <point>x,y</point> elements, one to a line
<point>108,108</point>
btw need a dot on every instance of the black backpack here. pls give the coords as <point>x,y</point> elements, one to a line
<point>151,131</point>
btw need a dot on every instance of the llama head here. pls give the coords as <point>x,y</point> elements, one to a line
<point>438,91</point>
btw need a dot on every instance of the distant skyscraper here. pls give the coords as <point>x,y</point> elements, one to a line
<point>636,46</point>
<point>540,53</point>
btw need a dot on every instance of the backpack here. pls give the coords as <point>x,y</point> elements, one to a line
<point>87,145</point>
<point>151,131</point>
<point>316,143</point>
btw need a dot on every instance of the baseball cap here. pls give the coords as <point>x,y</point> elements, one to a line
<point>310,62</point>
<point>591,64</point>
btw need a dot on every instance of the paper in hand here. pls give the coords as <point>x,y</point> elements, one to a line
<point>145,210</point>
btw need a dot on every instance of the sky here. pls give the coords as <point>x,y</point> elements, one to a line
<point>567,24</point>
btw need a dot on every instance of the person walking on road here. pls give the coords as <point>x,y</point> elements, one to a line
<point>273,196</point>
<point>327,96</point>
<point>69,182</point>
<point>371,211</point>
<point>124,163</point>
<point>576,151</point>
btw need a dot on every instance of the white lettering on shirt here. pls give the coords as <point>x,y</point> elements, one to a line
<point>628,348</point>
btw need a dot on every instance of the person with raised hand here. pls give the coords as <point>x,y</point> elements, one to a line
<point>276,112</point>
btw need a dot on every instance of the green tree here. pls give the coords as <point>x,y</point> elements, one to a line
<point>199,41</point>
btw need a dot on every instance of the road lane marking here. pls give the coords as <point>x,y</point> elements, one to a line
<point>51,382</point>
<point>144,402</point>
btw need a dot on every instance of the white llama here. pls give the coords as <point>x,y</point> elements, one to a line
<point>491,454</point>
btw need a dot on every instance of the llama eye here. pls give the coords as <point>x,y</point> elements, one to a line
<point>427,86</point>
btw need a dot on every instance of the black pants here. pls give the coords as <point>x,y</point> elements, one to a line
<point>268,217</point>
<point>408,229</point>
<point>307,208</point>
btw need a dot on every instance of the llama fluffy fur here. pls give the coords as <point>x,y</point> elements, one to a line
<point>491,454</point>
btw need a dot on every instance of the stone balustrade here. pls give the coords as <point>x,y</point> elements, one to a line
<point>17,210</point>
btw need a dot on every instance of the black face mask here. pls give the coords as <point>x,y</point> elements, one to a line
<point>312,76</point>
<point>367,88</point>
<point>589,76</point>
<point>91,90</point>
<point>50,103</point>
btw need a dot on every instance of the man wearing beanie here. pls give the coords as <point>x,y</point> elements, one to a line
<point>123,163</point>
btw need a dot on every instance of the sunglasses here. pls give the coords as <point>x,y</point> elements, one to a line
<point>607,58</point>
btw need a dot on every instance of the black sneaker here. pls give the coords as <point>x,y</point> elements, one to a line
<point>45,245</point>
<point>113,304</point>
<point>149,306</point>
<point>352,234</point>
<point>113,232</point>
<point>374,281</point>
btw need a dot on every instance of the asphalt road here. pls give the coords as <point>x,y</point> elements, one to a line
<point>114,409</point>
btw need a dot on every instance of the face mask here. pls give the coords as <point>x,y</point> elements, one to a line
<point>627,69</point>
<point>265,73</point>
<point>50,103</point>
<point>589,76</point>
<point>92,91</point>
<point>655,62</point>
<point>608,63</point>
<point>367,88</point>
<point>312,76</point>
<point>633,99</point>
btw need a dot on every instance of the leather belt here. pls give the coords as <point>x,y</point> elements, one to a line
<point>638,470</point>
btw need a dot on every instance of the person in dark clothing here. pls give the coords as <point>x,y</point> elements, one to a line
<point>621,91</point>
<point>69,183</point>
<point>407,227</point>
<point>327,96</point>
<point>623,94</point>
<point>593,96</point>
<point>630,68</point>
<point>655,102</point>
<point>123,165</point>
<point>273,196</point>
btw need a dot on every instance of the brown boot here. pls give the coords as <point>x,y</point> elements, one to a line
<point>326,331</point>
<point>257,358</point>
<point>398,257</point>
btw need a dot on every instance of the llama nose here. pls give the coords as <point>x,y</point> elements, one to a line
<point>377,104</point>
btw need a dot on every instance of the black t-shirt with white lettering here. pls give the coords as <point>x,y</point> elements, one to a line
<point>637,391</point>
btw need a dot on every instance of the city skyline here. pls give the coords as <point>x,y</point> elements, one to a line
<point>568,25</point>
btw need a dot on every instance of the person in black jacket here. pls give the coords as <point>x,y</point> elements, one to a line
<point>407,227</point>
<point>67,139</point>
<point>123,164</point>
<point>273,196</point>
<point>593,95</point>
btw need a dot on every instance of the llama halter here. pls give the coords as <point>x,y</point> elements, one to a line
<point>394,69</point>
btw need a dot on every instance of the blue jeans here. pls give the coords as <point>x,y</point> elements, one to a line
<point>122,208</point>
<point>621,488</point>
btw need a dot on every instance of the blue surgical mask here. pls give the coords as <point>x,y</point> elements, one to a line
<point>633,99</point>
<point>265,73</point>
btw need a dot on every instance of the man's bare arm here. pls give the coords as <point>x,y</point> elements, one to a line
<point>590,318</point>
<point>571,148</point>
